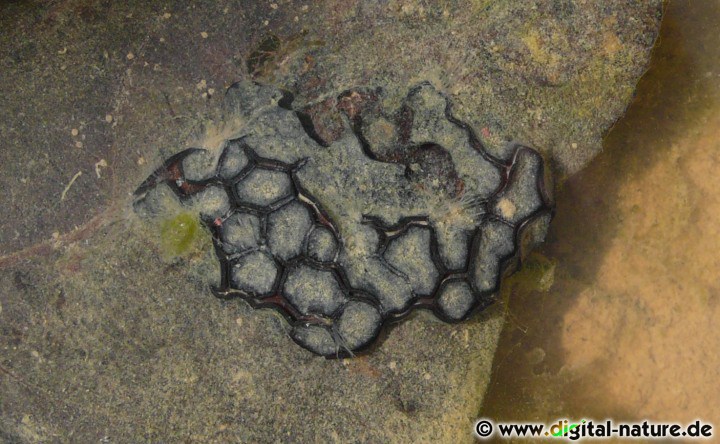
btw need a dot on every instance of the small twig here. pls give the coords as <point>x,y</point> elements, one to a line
<point>82,232</point>
<point>67,188</point>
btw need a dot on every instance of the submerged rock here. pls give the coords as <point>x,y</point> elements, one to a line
<point>105,322</point>
<point>341,236</point>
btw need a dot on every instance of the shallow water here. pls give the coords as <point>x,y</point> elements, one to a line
<point>628,329</point>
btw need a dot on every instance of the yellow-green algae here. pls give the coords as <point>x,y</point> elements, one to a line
<point>179,234</point>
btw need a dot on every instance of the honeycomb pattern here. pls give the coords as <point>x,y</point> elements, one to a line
<point>278,248</point>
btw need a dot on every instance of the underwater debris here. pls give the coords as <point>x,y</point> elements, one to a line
<point>398,212</point>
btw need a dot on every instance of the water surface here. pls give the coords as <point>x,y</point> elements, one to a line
<point>629,328</point>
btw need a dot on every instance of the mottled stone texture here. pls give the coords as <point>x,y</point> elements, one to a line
<point>102,335</point>
<point>263,217</point>
<point>553,74</point>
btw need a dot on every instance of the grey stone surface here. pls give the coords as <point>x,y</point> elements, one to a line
<point>385,212</point>
<point>102,338</point>
<point>287,229</point>
<point>318,339</point>
<point>264,187</point>
<point>313,291</point>
<point>431,125</point>
<point>254,273</point>
<point>456,299</point>
<point>554,75</point>
<point>494,241</point>
<point>521,197</point>
<point>393,291</point>
<point>211,203</point>
<point>453,246</point>
<point>200,165</point>
<point>409,253</point>
<point>241,232</point>
<point>358,324</point>
<point>233,160</point>
<point>156,202</point>
<point>322,245</point>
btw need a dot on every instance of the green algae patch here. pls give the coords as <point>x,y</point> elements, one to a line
<point>179,234</point>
